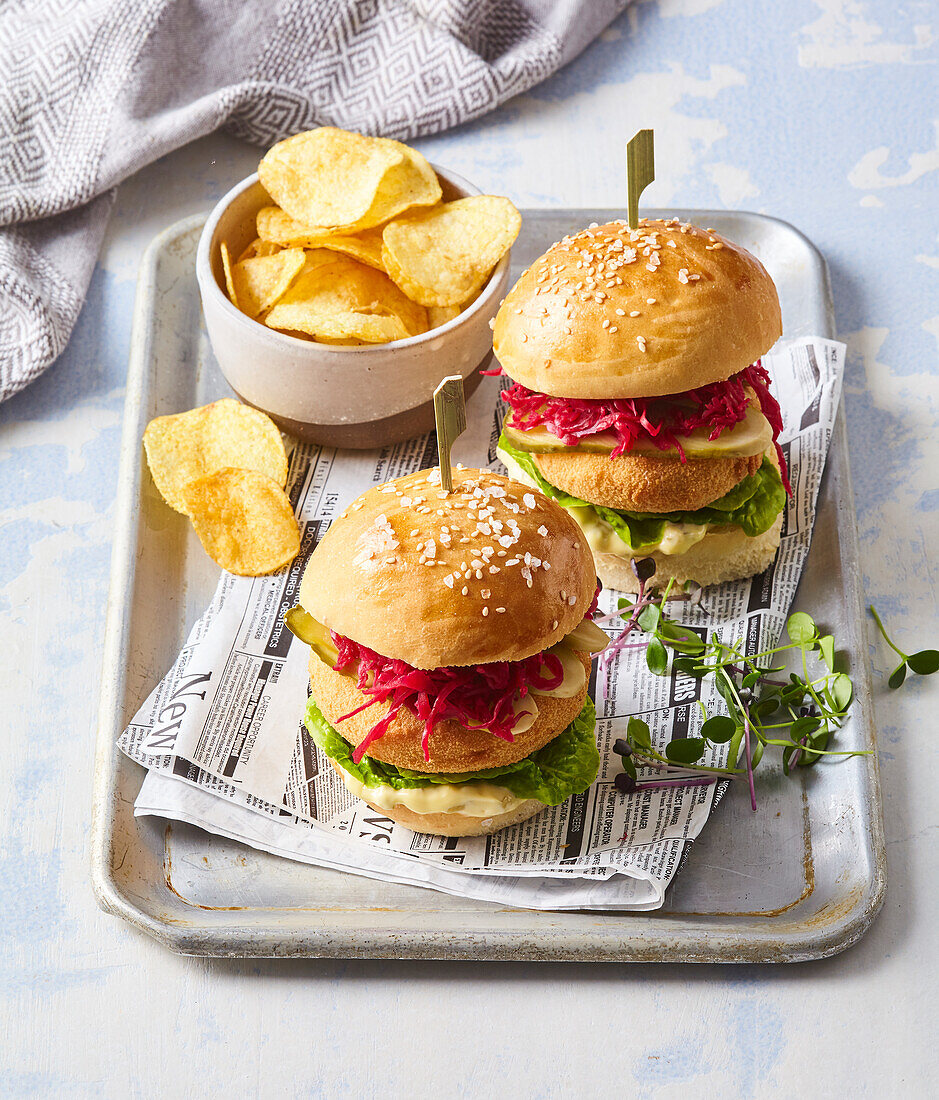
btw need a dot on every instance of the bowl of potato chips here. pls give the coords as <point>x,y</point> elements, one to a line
<point>345,279</point>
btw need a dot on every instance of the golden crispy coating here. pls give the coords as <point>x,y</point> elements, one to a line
<point>642,483</point>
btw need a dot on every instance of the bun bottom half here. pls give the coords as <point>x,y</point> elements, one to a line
<point>722,555</point>
<point>452,824</point>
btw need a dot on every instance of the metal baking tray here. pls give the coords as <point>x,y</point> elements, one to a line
<point>800,879</point>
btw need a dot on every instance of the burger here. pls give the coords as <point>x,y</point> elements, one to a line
<point>637,399</point>
<point>450,648</point>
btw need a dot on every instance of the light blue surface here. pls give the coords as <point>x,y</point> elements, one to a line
<point>824,114</point>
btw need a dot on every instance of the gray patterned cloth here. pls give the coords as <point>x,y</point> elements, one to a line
<point>93,90</point>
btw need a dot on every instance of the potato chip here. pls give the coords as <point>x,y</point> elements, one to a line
<point>261,281</point>
<point>244,521</point>
<point>335,179</point>
<point>442,256</point>
<point>275,225</point>
<point>229,281</point>
<point>364,246</point>
<point>411,183</point>
<point>439,315</point>
<point>326,298</point>
<point>339,326</point>
<point>259,247</point>
<point>327,176</point>
<point>190,445</point>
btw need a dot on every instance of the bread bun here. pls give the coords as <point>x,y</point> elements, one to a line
<point>703,308</point>
<point>452,747</point>
<point>489,572</point>
<point>450,824</point>
<point>645,483</point>
<point>724,554</point>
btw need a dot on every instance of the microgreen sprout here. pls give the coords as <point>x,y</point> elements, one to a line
<point>798,714</point>
<point>923,663</point>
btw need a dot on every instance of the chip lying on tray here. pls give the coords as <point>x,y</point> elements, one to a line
<point>399,261</point>
<point>224,466</point>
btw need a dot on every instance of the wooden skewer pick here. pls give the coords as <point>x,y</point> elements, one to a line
<point>450,414</point>
<point>640,172</point>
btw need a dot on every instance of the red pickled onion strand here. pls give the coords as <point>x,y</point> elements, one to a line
<point>663,420</point>
<point>477,696</point>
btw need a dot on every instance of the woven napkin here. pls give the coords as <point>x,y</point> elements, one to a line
<point>94,90</point>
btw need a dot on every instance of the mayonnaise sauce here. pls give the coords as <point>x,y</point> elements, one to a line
<point>676,537</point>
<point>479,799</point>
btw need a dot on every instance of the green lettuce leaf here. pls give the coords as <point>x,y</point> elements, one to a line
<point>565,766</point>
<point>753,504</point>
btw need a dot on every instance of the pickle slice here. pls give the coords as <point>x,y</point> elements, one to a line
<point>309,630</point>
<point>751,436</point>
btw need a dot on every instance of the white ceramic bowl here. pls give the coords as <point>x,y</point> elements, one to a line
<point>367,396</point>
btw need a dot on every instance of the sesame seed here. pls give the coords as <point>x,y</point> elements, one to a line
<point>485,612</point>
<point>650,301</point>
<point>500,610</point>
<point>464,591</point>
<point>634,313</point>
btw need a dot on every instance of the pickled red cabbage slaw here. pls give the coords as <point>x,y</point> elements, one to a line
<point>476,696</point>
<point>662,420</point>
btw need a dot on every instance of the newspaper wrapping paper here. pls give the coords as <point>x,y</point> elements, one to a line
<point>226,750</point>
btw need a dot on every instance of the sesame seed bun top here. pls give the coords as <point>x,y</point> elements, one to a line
<point>620,312</point>
<point>493,571</point>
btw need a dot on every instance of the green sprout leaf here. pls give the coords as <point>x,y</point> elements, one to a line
<point>680,638</point>
<point>638,732</point>
<point>657,657</point>
<point>898,675</point>
<point>688,666</point>
<point>826,647</point>
<point>685,750</point>
<point>925,662</point>
<point>733,750</point>
<point>802,727</point>
<point>649,617</point>
<point>840,692</point>
<point>801,628</point>
<point>719,729</point>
